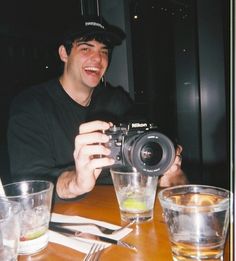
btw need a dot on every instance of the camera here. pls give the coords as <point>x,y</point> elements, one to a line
<point>141,146</point>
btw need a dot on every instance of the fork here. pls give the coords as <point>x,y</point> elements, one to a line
<point>94,252</point>
<point>104,230</point>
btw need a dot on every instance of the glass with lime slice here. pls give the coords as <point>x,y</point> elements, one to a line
<point>35,198</point>
<point>135,192</point>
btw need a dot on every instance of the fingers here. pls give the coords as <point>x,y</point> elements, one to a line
<point>90,151</point>
<point>179,150</point>
<point>176,164</point>
<point>94,126</point>
<point>90,144</point>
<point>92,156</point>
<point>173,179</point>
<point>91,138</point>
<point>98,163</point>
<point>178,156</point>
<point>97,149</point>
<point>174,175</point>
<point>178,160</point>
<point>90,133</point>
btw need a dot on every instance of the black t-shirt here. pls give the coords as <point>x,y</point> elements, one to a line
<point>44,121</point>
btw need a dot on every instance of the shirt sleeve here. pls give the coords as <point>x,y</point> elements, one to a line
<point>29,141</point>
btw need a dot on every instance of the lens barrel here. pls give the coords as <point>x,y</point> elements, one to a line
<point>151,153</point>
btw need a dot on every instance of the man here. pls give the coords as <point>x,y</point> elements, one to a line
<point>56,129</point>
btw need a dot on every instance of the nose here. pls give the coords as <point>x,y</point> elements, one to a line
<point>96,56</point>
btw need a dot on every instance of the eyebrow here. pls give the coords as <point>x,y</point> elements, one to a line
<point>88,44</point>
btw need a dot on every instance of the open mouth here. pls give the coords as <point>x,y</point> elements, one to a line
<point>92,70</point>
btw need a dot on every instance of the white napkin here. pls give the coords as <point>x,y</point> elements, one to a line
<point>81,244</point>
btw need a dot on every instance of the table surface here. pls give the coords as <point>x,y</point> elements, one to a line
<point>150,238</point>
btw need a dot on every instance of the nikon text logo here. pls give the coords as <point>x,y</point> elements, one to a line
<point>139,125</point>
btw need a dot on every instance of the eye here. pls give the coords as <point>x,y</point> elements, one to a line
<point>85,49</point>
<point>104,52</point>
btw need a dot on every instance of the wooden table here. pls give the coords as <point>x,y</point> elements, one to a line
<point>151,238</point>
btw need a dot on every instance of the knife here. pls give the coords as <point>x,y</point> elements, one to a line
<point>76,233</point>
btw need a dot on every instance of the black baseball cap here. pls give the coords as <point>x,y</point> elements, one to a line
<point>94,26</point>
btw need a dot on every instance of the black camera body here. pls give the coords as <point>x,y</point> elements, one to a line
<point>141,146</point>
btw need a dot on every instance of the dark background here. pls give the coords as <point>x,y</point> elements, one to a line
<point>181,79</point>
<point>29,31</point>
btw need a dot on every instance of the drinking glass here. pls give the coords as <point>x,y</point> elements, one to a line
<point>10,216</point>
<point>135,192</point>
<point>197,217</point>
<point>35,198</point>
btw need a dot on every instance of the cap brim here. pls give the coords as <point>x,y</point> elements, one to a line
<point>113,38</point>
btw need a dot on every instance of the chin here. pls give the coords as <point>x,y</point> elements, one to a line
<point>93,85</point>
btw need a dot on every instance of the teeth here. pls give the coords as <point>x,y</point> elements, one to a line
<point>95,69</point>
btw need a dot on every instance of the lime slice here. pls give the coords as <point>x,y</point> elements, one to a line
<point>134,204</point>
<point>32,235</point>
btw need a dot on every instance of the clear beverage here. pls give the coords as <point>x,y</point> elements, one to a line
<point>34,230</point>
<point>7,254</point>
<point>197,232</point>
<point>139,217</point>
<point>193,251</point>
<point>35,198</point>
<point>135,192</point>
<point>137,204</point>
<point>10,218</point>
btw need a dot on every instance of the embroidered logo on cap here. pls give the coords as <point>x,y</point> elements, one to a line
<point>94,24</point>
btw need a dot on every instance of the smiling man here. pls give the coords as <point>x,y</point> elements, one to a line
<point>56,128</point>
<point>84,68</point>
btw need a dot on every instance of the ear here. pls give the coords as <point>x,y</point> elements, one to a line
<point>62,53</point>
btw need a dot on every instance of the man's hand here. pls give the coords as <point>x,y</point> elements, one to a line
<point>175,175</point>
<point>89,146</point>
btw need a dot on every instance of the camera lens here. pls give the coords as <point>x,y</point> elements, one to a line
<point>151,153</point>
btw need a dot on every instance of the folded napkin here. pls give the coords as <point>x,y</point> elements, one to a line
<point>82,244</point>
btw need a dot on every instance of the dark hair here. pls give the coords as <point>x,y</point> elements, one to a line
<point>68,43</point>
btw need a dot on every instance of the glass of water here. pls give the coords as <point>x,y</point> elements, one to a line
<point>35,198</point>
<point>197,218</point>
<point>10,216</point>
<point>135,192</point>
